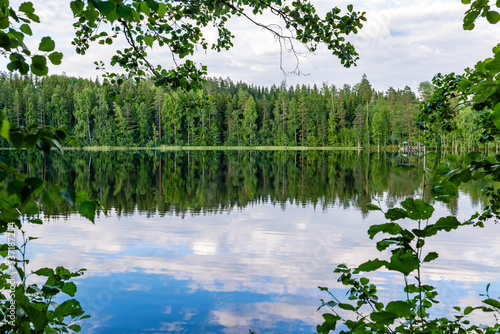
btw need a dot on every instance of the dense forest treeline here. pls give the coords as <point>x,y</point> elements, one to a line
<point>235,114</point>
<point>181,182</point>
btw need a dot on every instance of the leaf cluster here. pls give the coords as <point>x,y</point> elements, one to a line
<point>15,25</point>
<point>411,315</point>
<point>20,197</point>
<point>179,26</point>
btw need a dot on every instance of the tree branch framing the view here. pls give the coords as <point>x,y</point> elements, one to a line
<point>179,26</point>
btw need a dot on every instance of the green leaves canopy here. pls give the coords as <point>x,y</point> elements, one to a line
<point>178,26</point>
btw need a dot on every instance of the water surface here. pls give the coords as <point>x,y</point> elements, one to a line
<point>214,242</point>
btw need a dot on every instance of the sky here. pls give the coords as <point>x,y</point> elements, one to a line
<point>402,43</point>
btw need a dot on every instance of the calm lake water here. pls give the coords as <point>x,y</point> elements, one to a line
<point>224,242</point>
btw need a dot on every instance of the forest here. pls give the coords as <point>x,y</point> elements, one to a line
<point>225,113</point>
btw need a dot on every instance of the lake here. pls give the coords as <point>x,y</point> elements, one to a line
<point>227,241</point>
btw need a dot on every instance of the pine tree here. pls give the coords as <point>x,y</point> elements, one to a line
<point>249,125</point>
<point>103,128</point>
<point>83,109</point>
<point>366,97</point>
<point>122,131</point>
<point>171,119</point>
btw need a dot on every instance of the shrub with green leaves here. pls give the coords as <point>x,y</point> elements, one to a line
<point>406,245</point>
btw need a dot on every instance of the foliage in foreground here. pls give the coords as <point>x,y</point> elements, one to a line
<point>29,307</point>
<point>480,88</point>
<point>411,315</point>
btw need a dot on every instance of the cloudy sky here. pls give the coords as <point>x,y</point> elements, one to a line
<point>403,43</point>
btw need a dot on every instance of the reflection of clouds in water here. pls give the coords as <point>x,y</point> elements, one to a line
<point>260,250</point>
<point>265,315</point>
<point>168,327</point>
<point>204,248</point>
<point>95,325</point>
<point>138,287</point>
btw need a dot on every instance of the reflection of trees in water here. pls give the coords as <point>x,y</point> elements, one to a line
<point>215,181</point>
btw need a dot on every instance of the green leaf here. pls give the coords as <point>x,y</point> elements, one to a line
<point>371,265</point>
<point>27,8</point>
<point>404,263</point>
<point>20,272</point>
<point>478,176</point>
<point>75,328</point>
<point>105,7</point>
<point>384,243</point>
<point>443,169</point>
<point>452,157</point>
<point>400,308</point>
<point>39,65</point>
<point>347,307</point>
<point>47,44</point>
<point>69,288</point>
<point>47,199</point>
<point>444,191</point>
<point>417,209</point>
<point>373,207</point>
<point>383,317</point>
<point>152,4</point>
<point>26,29</point>
<point>492,302</point>
<point>389,228</point>
<point>30,209</point>
<point>124,11</point>
<point>329,324</point>
<point>88,209</point>
<point>148,40</point>
<point>495,117</point>
<point>69,308</point>
<point>50,290</point>
<point>143,8</point>
<point>469,19</point>
<point>395,214</point>
<point>430,257</point>
<point>492,17</point>
<point>68,195</point>
<point>77,7</point>
<point>162,10</point>
<point>56,58</point>
<point>462,177</point>
<point>5,128</point>
<point>4,250</point>
<point>447,223</point>
<point>38,317</point>
<point>493,65</point>
<point>44,272</point>
<point>4,41</point>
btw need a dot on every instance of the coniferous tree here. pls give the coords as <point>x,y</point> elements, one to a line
<point>103,127</point>
<point>249,124</point>
<point>123,135</point>
<point>83,109</point>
